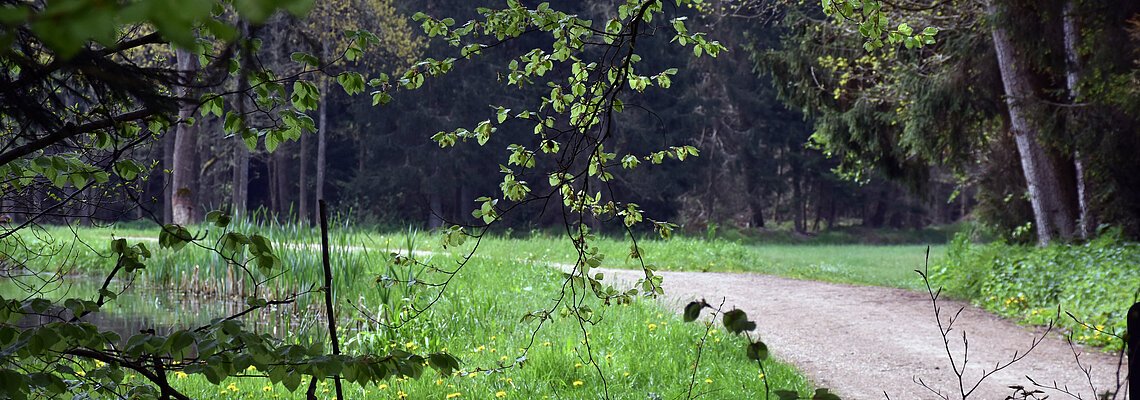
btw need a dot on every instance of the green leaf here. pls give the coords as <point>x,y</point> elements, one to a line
<point>736,321</point>
<point>824,394</point>
<point>693,310</point>
<point>174,237</point>
<point>218,218</point>
<point>757,351</point>
<point>443,362</point>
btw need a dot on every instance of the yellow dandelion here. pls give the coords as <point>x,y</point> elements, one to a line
<point>578,383</point>
<point>410,345</point>
<point>267,388</point>
<point>492,349</point>
<point>439,381</point>
<point>626,373</point>
<point>761,376</point>
<point>609,356</point>
<point>180,375</point>
<point>454,395</point>
<point>500,394</point>
<point>480,348</point>
<point>545,344</point>
<point>232,387</point>
<point>493,337</point>
<point>577,365</point>
<point>652,326</point>
<point>503,358</point>
<point>708,381</point>
<point>401,394</point>
<point>383,386</point>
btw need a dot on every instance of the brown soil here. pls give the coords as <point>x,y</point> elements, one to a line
<point>874,343</point>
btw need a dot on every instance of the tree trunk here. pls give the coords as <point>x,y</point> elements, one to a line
<point>281,169</point>
<point>302,181</point>
<point>322,141</point>
<point>184,169</point>
<point>241,179</point>
<point>798,200</point>
<point>1072,79</point>
<point>167,177</point>
<point>1052,216</point>
<point>435,213</point>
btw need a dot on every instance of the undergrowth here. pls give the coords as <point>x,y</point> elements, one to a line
<point>1092,284</point>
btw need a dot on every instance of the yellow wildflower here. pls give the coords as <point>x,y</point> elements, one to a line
<point>652,327</point>
<point>577,365</point>
<point>500,394</point>
<point>383,386</point>
<point>578,383</point>
<point>180,374</point>
<point>480,348</point>
<point>267,388</point>
<point>454,395</point>
<point>708,381</point>
<point>439,381</point>
<point>401,394</point>
<point>232,387</point>
<point>546,344</point>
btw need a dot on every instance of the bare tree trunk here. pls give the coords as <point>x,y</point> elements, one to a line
<point>167,177</point>
<point>1072,79</point>
<point>435,202</point>
<point>1051,213</point>
<point>241,179</point>
<point>302,180</point>
<point>282,172</point>
<point>184,168</point>
<point>798,200</point>
<point>322,141</point>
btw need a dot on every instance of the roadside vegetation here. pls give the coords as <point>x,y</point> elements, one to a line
<point>1090,285</point>
<point>634,350</point>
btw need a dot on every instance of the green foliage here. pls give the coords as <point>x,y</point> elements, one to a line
<point>1086,288</point>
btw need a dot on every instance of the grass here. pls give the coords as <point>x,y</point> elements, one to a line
<point>891,265</point>
<point>640,350</point>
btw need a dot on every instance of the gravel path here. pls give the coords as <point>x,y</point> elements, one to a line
<point>864,341</point>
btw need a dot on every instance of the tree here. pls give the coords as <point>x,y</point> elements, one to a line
<point>886,110</point>
<point>572,130</point>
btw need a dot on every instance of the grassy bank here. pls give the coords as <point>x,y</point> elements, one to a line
<point>1096,282</point>
<point>640,349</point>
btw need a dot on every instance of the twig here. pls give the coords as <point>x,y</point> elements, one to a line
<point>329,314</point>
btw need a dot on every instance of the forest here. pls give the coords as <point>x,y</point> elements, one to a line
<point>491,199</point>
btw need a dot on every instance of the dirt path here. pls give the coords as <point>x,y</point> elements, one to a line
<point>864,341</point>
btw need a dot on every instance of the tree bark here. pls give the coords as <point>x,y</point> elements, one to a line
<point>1052,216</point>
<point>302,181</point>
<point>184,169</point>
<point>240,179</point>
<point>1072,80</point>
<point>168,177</point>
<point>322,141</point>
